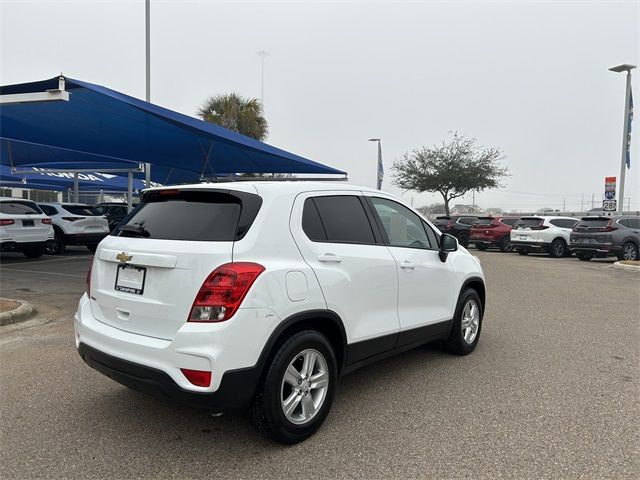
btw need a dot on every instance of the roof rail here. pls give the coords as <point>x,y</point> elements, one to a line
<point>273,179</point>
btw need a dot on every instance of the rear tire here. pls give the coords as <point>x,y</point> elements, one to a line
<point>467,324</point>
<point>279,388</point>
<point>629,252</point>
<point>33,252</point>
<point>558,248</point>
<point>481,246</point>
<point>505,244</point>
<point>463,239</point>
<point>56,246</point>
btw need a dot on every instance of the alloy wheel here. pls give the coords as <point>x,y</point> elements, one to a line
<point>304,386</point>
<point>470,321</point>
<point>630,252</point>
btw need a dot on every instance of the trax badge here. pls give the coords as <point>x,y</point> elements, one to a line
<point>123,257</point>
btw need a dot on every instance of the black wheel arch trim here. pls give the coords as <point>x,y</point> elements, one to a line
<point>482,294</point>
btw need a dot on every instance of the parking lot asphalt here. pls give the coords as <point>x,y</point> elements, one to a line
<point>551,391</point>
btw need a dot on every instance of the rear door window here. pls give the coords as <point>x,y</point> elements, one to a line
<point>483,221</point>
<point>206,216</point>
<point>48,209</point>
<point>19,208</point>
<point>467,220</point>
<point>634,222</point>
<point>342,217</point>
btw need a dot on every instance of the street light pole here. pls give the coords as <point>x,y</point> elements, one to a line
<point>147,50</point>
<point>625,130</point>
<point>380,174</point>
<point>262,54</point>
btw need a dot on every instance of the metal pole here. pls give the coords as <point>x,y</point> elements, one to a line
<point>625,133</point>
<point>129,191</point>
<point>76,188</point>
<point>379,174</point>
<point>262,54</point>
<point>147,25</point>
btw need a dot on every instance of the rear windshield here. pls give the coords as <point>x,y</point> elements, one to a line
<point>594,222</point>
<point>19,208</point>
<point>483,221</point>
<point>192,215</point>
<point>529,222</point>
<point>85,210</point>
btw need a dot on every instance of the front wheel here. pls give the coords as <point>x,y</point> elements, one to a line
<point>56,246</point>
<point>467,324</point>
<point>558,248</point>
<point>481,246</point>
<point>463,239</point>
<point>297,391</point>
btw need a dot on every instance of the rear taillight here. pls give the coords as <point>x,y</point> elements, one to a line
<point>6,221</point>
<point>89,279</point>
<point>200,378</point>
<point>47,221</point>
<point>223,291</point>
<point>72,219</point>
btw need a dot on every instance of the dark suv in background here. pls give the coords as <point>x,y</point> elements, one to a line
<point>492,232</point>
<point>607,236</point>
<point>457,225</point>
<point>114,211</point>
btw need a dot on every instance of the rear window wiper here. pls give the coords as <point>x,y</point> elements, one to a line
<point>134,230</point>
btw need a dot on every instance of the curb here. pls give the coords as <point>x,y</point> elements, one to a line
<point>23,312</point>
<point>629,268</point>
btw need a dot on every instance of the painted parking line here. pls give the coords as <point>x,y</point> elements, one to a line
<point>44,261</point>
<point>41,272</point>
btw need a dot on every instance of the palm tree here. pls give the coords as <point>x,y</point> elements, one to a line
<point>232,111</point>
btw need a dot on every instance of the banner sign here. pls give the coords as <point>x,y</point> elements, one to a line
<point>610,188</point>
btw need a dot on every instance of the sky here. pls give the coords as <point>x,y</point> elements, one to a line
<point>530,78</point>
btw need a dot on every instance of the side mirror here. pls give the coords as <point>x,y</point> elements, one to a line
<point>448,243</point>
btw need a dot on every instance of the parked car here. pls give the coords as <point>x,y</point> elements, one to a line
<point>617,236</point>
<point>262,294</point>
<point>492,232</point>
<point>457,225</point>
<point>23,227</point>
<point>74,224</point>
<point>546,234</point>
<point>114,211</point>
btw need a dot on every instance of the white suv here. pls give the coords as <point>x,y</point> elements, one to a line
<point>23,227</point>
<point>262,294</point>
<point>75,224</point>
<point>546,234</point>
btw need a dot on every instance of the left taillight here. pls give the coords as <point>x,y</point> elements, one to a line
<point>6,221</point>
<point>223,291</point>
<point>47,221</point>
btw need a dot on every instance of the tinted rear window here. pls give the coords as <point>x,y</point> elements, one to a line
<point>343,218</point>
<point>19,208</point>
<point>509,221</point>
<point>595,222</point>
<point>529,222</point>
<point>84,210</point>
<point>441,221</point>
<point>191,215</point>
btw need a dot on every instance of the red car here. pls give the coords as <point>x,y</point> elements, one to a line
<point>492,232</point>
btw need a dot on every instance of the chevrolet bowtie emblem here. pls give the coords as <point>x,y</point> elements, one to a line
<point>123,257</point>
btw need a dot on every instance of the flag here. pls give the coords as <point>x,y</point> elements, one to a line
<point>380,167</point>
<point>629,119</point>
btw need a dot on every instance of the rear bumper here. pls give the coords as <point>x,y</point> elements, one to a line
<point>153,365</point>
<point>235,392</point>
<point>84,238</point>
<point>12,246</point>
<point>595,249</point>
<point>483,240</point>
<point>529,245</point>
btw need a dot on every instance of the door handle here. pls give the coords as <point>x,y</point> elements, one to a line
<point>407,265</point>
<point>329,257</point>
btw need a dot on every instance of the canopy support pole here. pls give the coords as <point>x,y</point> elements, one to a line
<point>129,192</point>
<point>76,188</point>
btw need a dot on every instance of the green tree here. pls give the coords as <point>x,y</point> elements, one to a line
<point>451,169</point>
<point>237,113</point>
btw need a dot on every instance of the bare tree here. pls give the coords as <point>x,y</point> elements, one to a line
<point>451,169</point>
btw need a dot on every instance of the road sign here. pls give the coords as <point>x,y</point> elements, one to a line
<point>609,205</point>
<point>610,188</point>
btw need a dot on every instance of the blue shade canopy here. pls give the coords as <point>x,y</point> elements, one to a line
<point>61,181</point>
<point>101,128</point>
